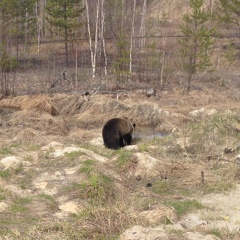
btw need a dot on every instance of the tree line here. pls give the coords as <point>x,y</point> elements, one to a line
<point>126,22</point>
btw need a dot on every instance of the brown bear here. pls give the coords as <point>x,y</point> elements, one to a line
<point>117,133</point>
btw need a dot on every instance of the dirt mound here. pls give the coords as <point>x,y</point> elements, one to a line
<point>68,104</point>
<point>29,125</point>
<point>40,103</point>
<point>100,108</point>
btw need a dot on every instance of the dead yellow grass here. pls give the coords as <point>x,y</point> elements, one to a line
<point>40,103</point>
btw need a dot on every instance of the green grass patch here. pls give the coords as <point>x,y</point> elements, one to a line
<point>123,157</point>
<point>20,205</point>
<point>219,187</point>
<point>34,148</point>
<point>73,155</point>
<point>47,197</point>
<point>185,206</point>
<point>49,201</point>
<point>2,195</point>
<point>105,152</point>
<point>211,132</point>
<point>87,166</point>
<point>143,147</point>
<point>15,144</point>
<point>5,174</point>
<point>26,181</point>
<point>6,151</point>
<point>98,187</point>
<point>163,187</point>
<point>215,232</point>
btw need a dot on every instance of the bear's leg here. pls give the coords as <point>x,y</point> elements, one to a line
<point>127,139</point>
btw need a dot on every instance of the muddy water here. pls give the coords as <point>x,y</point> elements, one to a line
<point>147,133</point>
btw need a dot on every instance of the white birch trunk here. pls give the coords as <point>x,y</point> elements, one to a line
<point>96,39</point>
<point>132,38</point>
<point>89,36</point>
<point>102,38</point>
<point>76,66</point>
<point>163,61</point>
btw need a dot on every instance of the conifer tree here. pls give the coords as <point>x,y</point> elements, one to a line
<point>230,11</point>
<point>16,18</point>
<point>62,16</point>
<point>197,39</point>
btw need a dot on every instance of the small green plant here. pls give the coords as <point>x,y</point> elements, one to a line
<point>20,205</point>
<point>51,202</point>
<point>47,197</point>
<point>219,187</point>
<point>26,180</point>
<point>123,157</point>
<point>163,187</point>
<point>98,187</point>
<point>73,155</point>
<point>15,144</point>
<point>6,151</point>
<point>34,148</point>
<point>87,167</point>
<point>5,174</point>
<point>2,195</point>
<point>185,206</point>
<point>215,232</point>
<point>143,147</point>
<point>28,158</point>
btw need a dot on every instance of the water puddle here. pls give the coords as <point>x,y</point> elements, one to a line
<point>147,133</point>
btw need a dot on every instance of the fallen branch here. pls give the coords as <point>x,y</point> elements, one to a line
<point>58,79</point>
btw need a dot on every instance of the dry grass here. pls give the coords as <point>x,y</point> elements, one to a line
<point>40,103</point>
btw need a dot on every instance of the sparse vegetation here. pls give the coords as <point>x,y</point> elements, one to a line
<point>184,206</point>
<point>124,158</point>
<point>216,232</point>
<point>5,174</point>
<point>6,151</point>
<point>73,155</point>
<point>97,188</point>
<point>20,205</point>
<point>206,135</point>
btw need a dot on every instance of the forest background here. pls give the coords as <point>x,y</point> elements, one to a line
<point>112,44</point>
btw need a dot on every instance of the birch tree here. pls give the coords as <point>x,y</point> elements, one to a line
<point>132,37</point>
<point>40,6</point>
<point>102,36</point>
<point>93,50</point>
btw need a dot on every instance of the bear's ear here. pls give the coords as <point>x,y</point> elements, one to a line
<point>134,125</point>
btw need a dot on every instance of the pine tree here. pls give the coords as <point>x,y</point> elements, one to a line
<point>62,16</point>
<point>197,39</point>
<point>16,18</point>
<point>229,17</point>
<point>230,11</point>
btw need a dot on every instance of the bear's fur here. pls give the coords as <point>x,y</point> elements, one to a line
<point>117,133</point>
